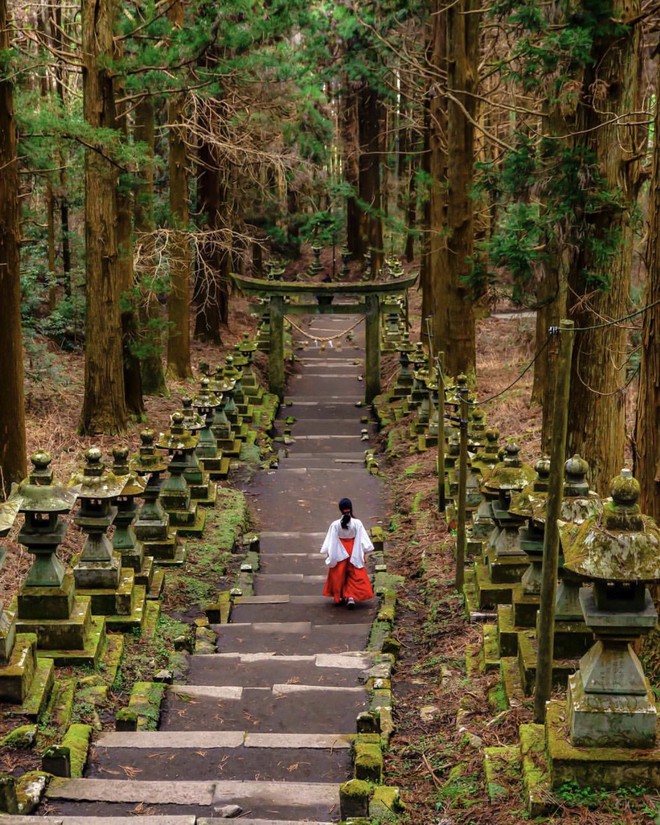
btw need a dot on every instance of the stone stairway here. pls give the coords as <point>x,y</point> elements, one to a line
<point>267,722</point>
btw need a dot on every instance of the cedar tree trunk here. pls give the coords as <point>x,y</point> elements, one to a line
<point>12,408</point>
<point>104,405</point>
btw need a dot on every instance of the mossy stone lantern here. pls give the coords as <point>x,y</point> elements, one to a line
<point>509,476</point>
<point>206,403</point>
<point>253,391</point>
<point>530,504</point>
<point>202,489</point>
<point>578,504</point>
<point>124,539</point>
<point>43,500</point>
<point>610,702</point>
<point>152,525</point>
<point>404,380</point>
<point>175,492</point>
<point>99,565</point>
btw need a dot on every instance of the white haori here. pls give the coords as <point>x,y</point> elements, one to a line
<point>334,549</point>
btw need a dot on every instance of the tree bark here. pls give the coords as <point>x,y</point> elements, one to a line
<point>436,239</point>
<point>12,409</point>
<point>457,327</point>
<point>56,34</point>
<point>597,403</point>
<point>370,120</point>
<point>647,424</point>
<point>104,405</point>
<point>349,128</point>
<point>126,273</point>
<point>151,365</point>
<point>178,341</point>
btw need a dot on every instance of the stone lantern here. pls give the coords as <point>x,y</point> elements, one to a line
<point>231,376</point>
<point>202,489</point>
<point>99,572</point>
<point>125,539</point>
<point>207,451</point>
<point>43,500</point>
<point>429,436</point>
<point>253,390</point>
<point>99,565</point>
<point>610,702</point>
<point>152,525</point>
<point>404,379</point>
<point>222,428</point>
<point>504,560</point>
<point>175,492</point>
<point>243,406</point>
<point>48,604</point>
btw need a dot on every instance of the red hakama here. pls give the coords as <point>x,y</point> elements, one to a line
<point>346,581</point>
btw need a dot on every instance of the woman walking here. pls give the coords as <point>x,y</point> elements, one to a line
<point>345,545</point>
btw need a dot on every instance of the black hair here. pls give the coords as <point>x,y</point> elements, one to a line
<point>346,505</point>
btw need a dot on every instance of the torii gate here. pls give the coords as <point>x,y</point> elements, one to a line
<point>371,299</point>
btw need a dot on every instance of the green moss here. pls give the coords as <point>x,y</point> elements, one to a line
<point>77,741</point>
<point>356,789</point>
<point>385,804</point>
<point>368,762</point>
<point>412,470</point>
<point>417,501</point>
<point>29,789</point>
<point>21,737</point>
<point>146,699</point>
<point>497,698</point>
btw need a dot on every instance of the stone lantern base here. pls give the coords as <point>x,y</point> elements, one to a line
<point>597,719</point>
<point>610,767</point>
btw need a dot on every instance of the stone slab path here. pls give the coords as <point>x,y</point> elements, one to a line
<point>267,722</point>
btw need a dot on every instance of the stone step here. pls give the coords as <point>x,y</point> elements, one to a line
<point>284,800</point>
<point>296,637</point>
<point>295,583</point>
<point>266,669</point>
<point>286,708</point>
<point>210,739</point>
<point>304,563</point>
<point>109,820</point>
<point>328,444</point>
<point>327,427</point>
<point>315,609</point>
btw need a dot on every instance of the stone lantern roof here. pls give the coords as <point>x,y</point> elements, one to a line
<point>95,481</point>
<point>177,437</point>
<point>39,492</point>
<point>205,397</point>
<point>134,483</point>
<point>511,473</point>
<point>619,545</point>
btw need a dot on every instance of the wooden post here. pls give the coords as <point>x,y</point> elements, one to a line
<point>442,502</point>
<point>546,619</point>
<point>462,489</point>
<point>372,335</point>
<point>276,357</point>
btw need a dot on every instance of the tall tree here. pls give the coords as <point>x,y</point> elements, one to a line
<point>12,408</point>
<point>151,364</point>
<point>456,327</point>
<point>435,244</point>
<point>178,341</point>
<point>370,118</point>
<point>611,147</point>
<point>125,265</point>
<point>104,405</point>
<point>647,425</point>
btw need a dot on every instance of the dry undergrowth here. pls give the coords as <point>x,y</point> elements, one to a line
<point>437,762</point>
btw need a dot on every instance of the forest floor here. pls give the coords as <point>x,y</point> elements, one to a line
<point>438,767</point>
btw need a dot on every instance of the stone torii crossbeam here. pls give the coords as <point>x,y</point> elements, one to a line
<point>371,298</point>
